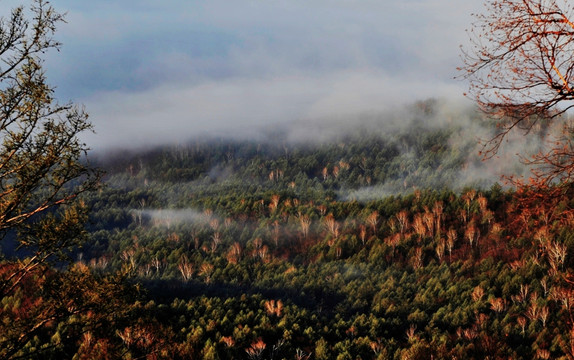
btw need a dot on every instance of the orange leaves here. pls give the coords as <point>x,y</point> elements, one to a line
<point>234,253</point>
<point>331,225</point>
<point>403,221</point>
<point>520,68</point>
<point>418,225</point>
<point>260,250</point>
<point>256,349</point>
<point>274,202</point>
<point>477,294</point>
<point>228,341</point>
<point>206,270</point>
<point>305,222</point>
<point>471,233</point>
<point>45,299</point>
<point>186,268</point>
<point>497,304</point>
<point>274,307</point>
<point>373,220</point>
<point>144,338</point>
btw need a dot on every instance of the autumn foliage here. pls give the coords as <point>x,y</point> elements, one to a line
<point>282,259</point>
<point>520,67</point>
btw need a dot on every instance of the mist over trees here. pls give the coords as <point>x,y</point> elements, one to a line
<point>388,240</point>
<point>521,72</point>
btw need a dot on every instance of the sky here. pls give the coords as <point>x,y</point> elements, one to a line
<point>150,72</point>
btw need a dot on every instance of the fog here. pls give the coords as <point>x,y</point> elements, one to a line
<point>170,217</point>
<point>468,129</point>
<point>151,74</point>
<point>240,108</point>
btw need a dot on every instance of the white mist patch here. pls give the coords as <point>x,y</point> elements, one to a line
<point>169,217</point>
<point>470,129</point>
<point>242,108</point>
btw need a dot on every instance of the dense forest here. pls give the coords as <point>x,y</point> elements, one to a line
<point>367,245</point>
<point>374,236</point>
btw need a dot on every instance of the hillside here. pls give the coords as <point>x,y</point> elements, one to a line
<point>367,245</point>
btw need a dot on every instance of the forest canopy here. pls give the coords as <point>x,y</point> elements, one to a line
<point>388,241</point>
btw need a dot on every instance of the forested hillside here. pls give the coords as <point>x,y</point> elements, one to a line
<point>370,245</point>
<point>359,234</point>
<point>267,250</point>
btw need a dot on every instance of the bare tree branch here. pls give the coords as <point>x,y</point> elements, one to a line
<point>520,69</point>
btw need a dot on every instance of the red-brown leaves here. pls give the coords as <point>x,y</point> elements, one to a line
<point>521,71</point>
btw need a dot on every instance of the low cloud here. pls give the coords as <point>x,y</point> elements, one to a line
<point>164,73</point>
<point>242,107</point>
<point>170,217</point>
